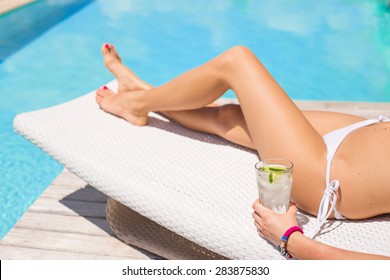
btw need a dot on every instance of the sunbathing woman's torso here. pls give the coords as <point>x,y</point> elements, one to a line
<point>361,164</point>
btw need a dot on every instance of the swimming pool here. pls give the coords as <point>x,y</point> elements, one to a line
<point>331,50</point>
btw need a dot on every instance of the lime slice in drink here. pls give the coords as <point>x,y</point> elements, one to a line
<point>271,177</point>
<point>275,172</point>
<point>264,168</point>
<point>277,168</point>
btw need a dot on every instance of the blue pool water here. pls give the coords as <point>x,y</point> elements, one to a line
<point>50,53</point>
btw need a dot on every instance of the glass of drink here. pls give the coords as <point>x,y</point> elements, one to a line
<point>274,181</point>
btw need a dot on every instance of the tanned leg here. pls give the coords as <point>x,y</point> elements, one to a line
<point>276,126</point>
<point>225,121</point>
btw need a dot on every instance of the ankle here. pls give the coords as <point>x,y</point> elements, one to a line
<point>138,103</point>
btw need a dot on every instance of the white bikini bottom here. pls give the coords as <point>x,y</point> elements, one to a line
<point>333,140</point>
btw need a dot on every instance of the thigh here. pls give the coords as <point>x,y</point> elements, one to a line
<point>324,121</point>
<point>276,126</point>
<point>279,129</point>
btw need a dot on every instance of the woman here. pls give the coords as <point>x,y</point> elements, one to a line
<point>267,120</point>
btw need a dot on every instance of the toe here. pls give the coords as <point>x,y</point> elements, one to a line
<point>101,93</point>
<point>104,92</point>
<point>106,48</point>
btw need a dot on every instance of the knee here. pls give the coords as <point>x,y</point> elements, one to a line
<point>240,51</point>
<point>228,115</point>
<point>233,59</point>
<point>237,54</point>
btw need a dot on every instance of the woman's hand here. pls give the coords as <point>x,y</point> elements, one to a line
<point>271,225</point>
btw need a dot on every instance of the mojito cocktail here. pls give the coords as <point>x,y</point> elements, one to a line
<point>274,181</point>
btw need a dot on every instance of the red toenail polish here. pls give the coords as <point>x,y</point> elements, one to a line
<point>105,87</point>
<point>107,46</point>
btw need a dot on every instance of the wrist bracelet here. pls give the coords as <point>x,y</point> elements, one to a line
<point>282,248</point>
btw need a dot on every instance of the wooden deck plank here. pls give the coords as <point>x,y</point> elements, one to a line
<point>69,180</point>
<point>69,207</point>
<point>364,109</point>
<point>85,193</point>
<point>68,224</point>
<point>70,243</point>
<point>68,221</point>
<point>21,253</point>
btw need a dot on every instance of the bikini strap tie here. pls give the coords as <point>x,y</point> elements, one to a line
<point>329,198</point>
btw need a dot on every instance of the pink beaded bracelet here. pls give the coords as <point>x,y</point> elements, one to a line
<point>282,248</point>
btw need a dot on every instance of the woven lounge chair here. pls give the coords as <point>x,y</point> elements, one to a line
<point>173,191</point>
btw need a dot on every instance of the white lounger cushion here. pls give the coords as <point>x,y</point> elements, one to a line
<point>195,184</point>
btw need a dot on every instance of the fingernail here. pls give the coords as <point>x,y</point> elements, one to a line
<point>105,87</point>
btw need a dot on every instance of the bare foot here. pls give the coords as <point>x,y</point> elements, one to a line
<point>123,105</point>
<point>127,79</point>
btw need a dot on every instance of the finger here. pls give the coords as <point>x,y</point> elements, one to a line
<point>292,210</point>
<point>258,207</point>
<point>257,225</point>
<point>260,233</point>
<point>256,217</point>
<point>254,203</point>
<point>259,229</point>
<point>292,203</point>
